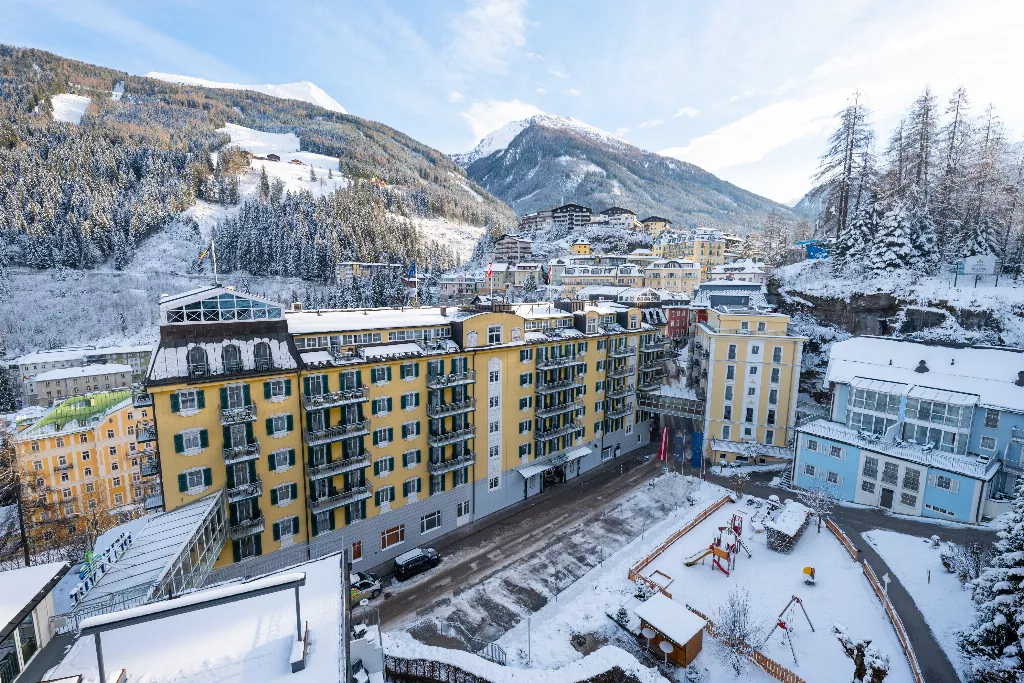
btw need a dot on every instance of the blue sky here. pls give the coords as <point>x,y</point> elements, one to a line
<point>743,89</point>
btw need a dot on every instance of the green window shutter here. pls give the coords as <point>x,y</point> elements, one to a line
<point>401,371</point>
<point>376,497</point>
<point>418,456</point>
<point>373,407</point>
<point>287,387</point>
<point>257,542</point>
<point>323,383</point>
<point>405,432</point>
<point>248,433</point>
<point>179,443</point>
<point>295,491</point>
<point>313,530</point>
<point>204,438</point>
<point>223,398</point>
<point>271,462</point>
<point>391,467</point>
<point>291,455</point>
<point>330,518</point>
<point>266,390</point>
<point>388,373</point>
<point>183,482</point>
<point>277,531</point>
<point>417,427</point>
<point>305,386</point>
<point>391,434</point>
<point>246,396</point>
<point>291,423</point>
<point>200,398</point>
<point>273,496</point>
<point>359,378</point>
<point>376,468</point>
<point>207,476</point>
<point>230,476</point>
<point>417,397</point>
<point>236,551</point>
<point>226,435</point>
<point>309,422</point>
<point>376,438</point>
<point>270,426</point>
<point>405,489</point>
<point>404,401</point>
<point>416,369</point>
<point>175,403</point>
<point>390,405</point>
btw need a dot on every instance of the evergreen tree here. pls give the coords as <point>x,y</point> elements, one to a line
<point>925,256</point>
<point>992,647</point>
<point>854,244</point>
<point>312,174</point>
<point>264,184</point>
<point>844,164</point>
<point>891,248</point>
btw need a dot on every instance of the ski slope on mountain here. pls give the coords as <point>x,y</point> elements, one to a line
<point>503,137</point>
<point>302,90</point>
<point>69,108</point>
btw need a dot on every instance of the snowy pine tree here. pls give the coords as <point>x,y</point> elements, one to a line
<point>852,248</point>
<point>892,248</point>
<point>992,647</point>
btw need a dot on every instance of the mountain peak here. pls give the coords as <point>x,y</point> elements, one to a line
<point>304,91</point>
<point>502,137</point>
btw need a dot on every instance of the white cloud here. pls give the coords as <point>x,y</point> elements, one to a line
<point>455,96</point>
<point>652,123</point>
<point>574,92</point>
<point>559,74</point>
<point>484,117</point>
<point>542,91</point>
<point>688,112</point>
<point>619,132</point>
<point>487,32</point>
<point>754,136</point>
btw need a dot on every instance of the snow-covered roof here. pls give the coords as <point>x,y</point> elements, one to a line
<point>58,355</point>
<point>81,371</point>
<point>670,618</point>
<point>334,320</point>
<point>312,358</point>
<point>789,518</point>
<point>753,450</point>
<point>171,359</point>
<point>248,640</point>
<point>743,266</point>
<point>18,587</point>
<point>391,351</point>
<point>989,373</point>
<point>540,310</point>
<point>213,304</point>
<point>967,465</point>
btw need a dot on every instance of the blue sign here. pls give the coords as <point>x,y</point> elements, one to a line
<point>698,449</point>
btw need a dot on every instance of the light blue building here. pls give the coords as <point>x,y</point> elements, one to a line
<point>917,428</point>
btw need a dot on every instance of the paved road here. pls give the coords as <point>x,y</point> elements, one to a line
<point>855,521</point>
<point>480,550</point>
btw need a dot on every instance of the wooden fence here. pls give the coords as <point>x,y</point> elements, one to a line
<point>769,665</point>
<point>634,571</point>
<point>897,623</point>
<point>843,538</point>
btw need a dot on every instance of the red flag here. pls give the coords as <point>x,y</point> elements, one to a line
<point>663,448</point>
<point>490,269</point>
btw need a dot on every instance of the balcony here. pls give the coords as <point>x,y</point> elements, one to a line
<point>145,452</point>
<point>243,491</point>
<point>232,416</point>
<point>1017,435</point>
<point>657,345</point>
<point>264,365</point>
<point>337,433</point>
<point>150,467</point>
<point>154,502</point>
<point>620,372</point>
<point>351,495</point>
<point>63,468</point>
<point>448,409</point>
<point>145,431</point>
<point>560,408</point>
<point>235,454</point>
<point>622,392</point>
<point>452,380</point>
<point>559,385</point>
<point>451,437</point>
<point>556,432</point>
<point>141,398</point>
<point>648,366</point>
<point>456,463</point>
<point>332,399</point>
<point>619,412</point>
<point>652,384</point>
<point>621,351</point>
<point>562,362</point>
<point>331,469</point>
<point>247,527</point>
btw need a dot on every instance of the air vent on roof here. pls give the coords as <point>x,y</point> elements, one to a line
<point>1020,379</point>
<point>921,367</point>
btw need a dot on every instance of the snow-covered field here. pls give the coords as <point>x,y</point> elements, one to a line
<point>302,90</point>
<point>69,108</point>
<point>947,607</point>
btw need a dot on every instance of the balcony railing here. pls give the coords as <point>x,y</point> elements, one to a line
<point>264,364</point>
<point>620,372</point>
<point>560,408</point>
<point>451,380</point>
<point>141,398</point>
<point>647,366</point>
<point>652,384</point>
<point>235,454</point>
<point>456,463</point>
<point>145,452</point>
<point>559,385</point>
<point>621,351</point>
<point>657,345</point>
<point>622,392</point>
<point>331,469</point>
<point>247,527</point>
<point>448,409</point>
<point>346,497</point>
<point>231,416</point>
<point>562,362</point>
<point>241,492</point>
<point>62,468</point>
<point>1017,434</point>
<point>451,437</point>
<point>556,432</point>
<point>337,433</point>
<point>336,398</point>
<point>150,467</point>
<point>619,412</point>
<point>145,431</point>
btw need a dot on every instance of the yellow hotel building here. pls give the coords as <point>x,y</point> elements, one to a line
<point>706,248</point>
<point>749,369</point>
<point>380,429</point>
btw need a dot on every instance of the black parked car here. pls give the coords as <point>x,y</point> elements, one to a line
<point>416,561</point>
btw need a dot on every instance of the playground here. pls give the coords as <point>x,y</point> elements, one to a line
<point>730,550</point>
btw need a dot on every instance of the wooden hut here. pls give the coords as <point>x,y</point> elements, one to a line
<point>674,624</point>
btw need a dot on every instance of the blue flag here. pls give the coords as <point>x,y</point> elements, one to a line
<point>412,270</point>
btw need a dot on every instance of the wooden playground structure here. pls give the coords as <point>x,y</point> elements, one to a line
<point>725,547</point>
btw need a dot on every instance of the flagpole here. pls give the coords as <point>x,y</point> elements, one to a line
<point>213,252</point>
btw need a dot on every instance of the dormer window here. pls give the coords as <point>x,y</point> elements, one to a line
<point>264,362</point>
<point>232,359</point>
<point>197,364</point>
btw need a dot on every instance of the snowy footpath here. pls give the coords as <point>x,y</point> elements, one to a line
<point>946,606</point>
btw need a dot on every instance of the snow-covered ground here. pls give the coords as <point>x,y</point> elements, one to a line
<point>946,606</point>
<point>69,108</point>
<point>502,137</point>
<point>302,90</point>
<point>286,146</point>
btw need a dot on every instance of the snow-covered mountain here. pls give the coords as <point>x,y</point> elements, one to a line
<point>503,137</point>
<point>545,161</point>
<point>303,90</point>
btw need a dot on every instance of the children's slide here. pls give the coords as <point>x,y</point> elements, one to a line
<point>697,558</point>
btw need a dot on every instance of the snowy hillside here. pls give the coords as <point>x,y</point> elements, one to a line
<point>296,177</point>
<point>69,108</point>
<point>503,137</point>
<point>303,90</point>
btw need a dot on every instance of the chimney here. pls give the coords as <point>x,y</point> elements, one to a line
<point>297,306</point>
<point>921,367</point>
<point>444,311</point>
<point>1020,379</point>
